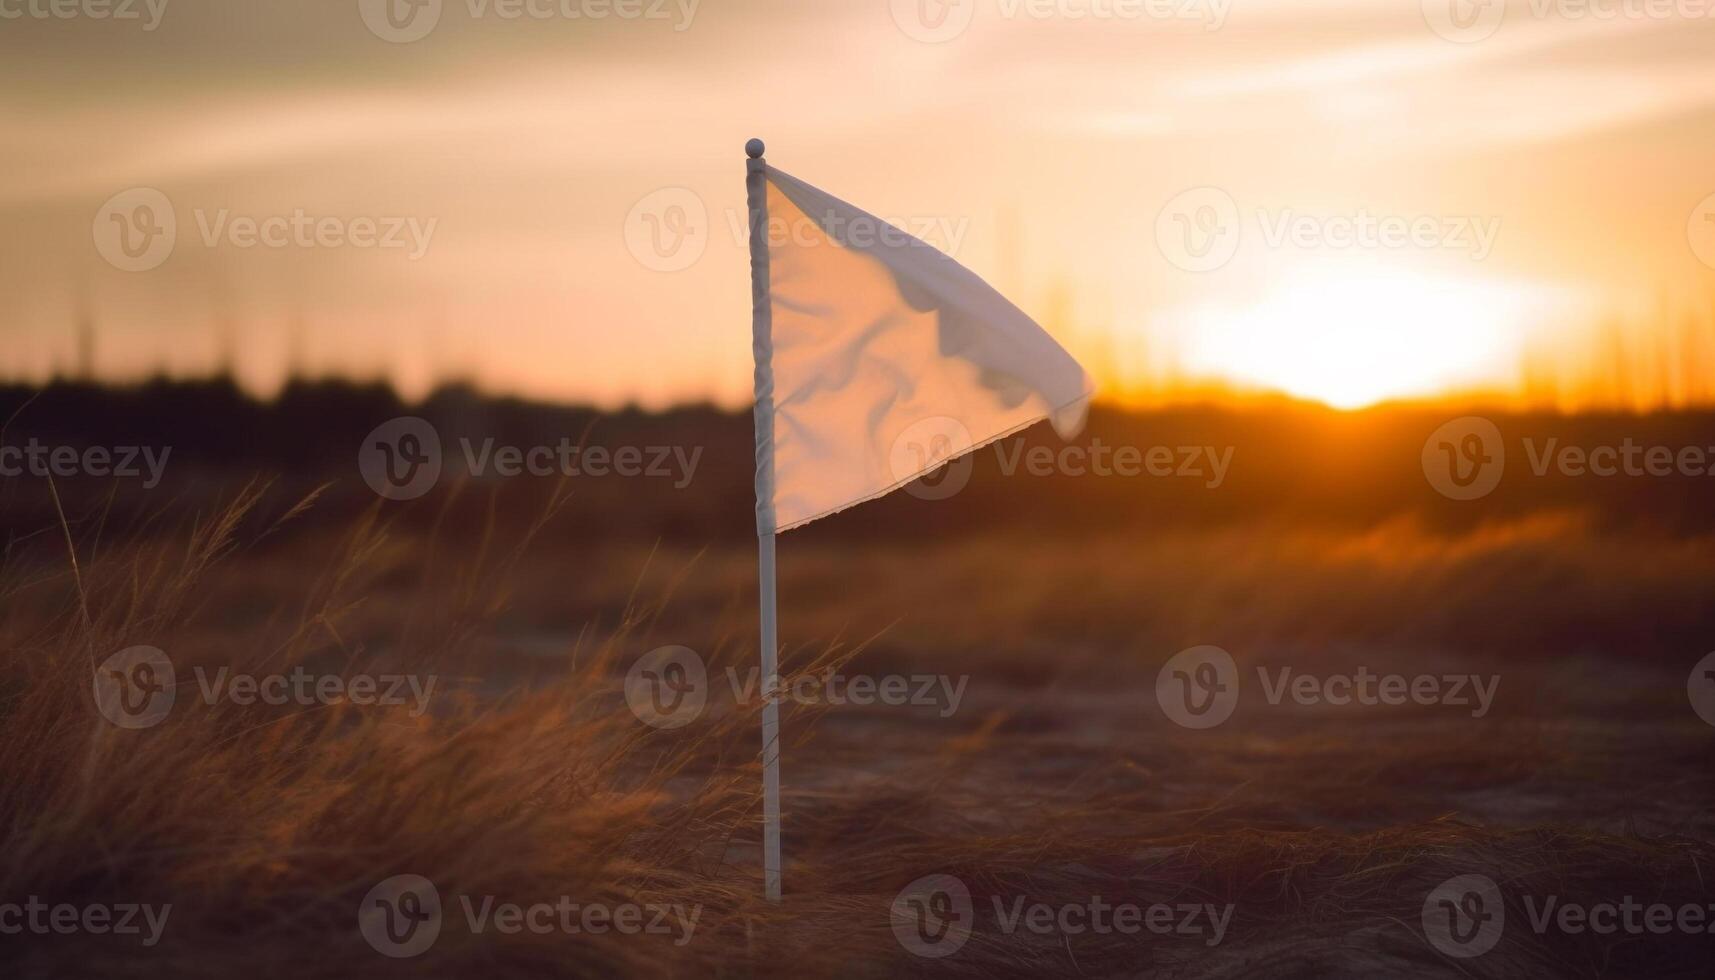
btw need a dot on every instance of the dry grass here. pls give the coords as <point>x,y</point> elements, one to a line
<point>266,827</point>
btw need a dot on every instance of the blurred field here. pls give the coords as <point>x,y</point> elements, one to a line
<point>1058,777</point>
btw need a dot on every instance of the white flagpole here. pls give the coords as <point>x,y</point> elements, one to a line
<point>762,346</point>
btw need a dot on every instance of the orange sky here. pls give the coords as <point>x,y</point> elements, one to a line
<point>1385,199</point>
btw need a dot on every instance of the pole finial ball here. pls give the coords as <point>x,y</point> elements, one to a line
<point>754,148</point>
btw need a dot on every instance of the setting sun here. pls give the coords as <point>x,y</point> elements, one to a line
<point>1353,336</point>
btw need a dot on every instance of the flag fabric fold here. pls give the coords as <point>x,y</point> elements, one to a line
<point>886,359</point>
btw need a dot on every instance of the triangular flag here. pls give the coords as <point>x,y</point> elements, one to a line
<point>888,359</point>
<point>878,359</point>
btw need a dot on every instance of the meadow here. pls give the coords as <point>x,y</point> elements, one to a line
<point>1031,756</point>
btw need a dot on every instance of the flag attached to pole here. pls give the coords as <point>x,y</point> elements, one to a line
<point>888,358</point>
<point>878,359</point>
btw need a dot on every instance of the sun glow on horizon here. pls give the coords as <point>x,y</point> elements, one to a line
<point>1351,338</point>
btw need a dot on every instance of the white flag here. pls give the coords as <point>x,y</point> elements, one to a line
<point>885,360</point>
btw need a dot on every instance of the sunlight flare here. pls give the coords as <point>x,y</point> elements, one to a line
<point>1353,337</point>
